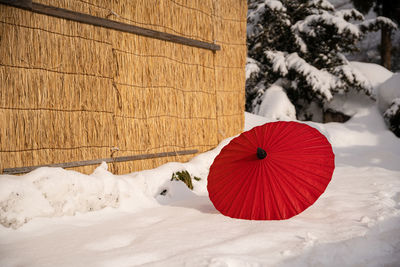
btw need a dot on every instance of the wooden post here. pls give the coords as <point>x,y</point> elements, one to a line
<point>19,170</point>
<point>26,4</point>
<point>106,23</point>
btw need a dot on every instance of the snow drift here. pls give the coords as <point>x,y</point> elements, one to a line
<point>123,220</point>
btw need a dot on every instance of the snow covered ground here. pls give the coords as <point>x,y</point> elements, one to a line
<point>56,217</point>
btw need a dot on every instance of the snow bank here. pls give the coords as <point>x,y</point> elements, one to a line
<point>356,222</point>
<point>49,192</point>
<point>56,192</point>
<point>275,105</point>
<point>374,72</point>
<point>355,77</point>
<point>252,120</point>
<point>388,92</point>
<point>355,102</point>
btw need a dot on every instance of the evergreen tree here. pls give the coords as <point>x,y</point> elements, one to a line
<point>386,8</point>
<point>392,117</point>
<point>300,45</point>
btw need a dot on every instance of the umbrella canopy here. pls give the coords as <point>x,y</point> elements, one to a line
<point>272,172</point>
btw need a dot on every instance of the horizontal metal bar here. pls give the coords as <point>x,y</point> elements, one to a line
<point>26,4</point>
<point>106,23</point>
<point>19,170</point>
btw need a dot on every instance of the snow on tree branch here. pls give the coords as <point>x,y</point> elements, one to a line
<point>350,75</point>
<point>348,14</point>
<point>252,67</point>
<point>278,61</point>
<point>321,4</point>
<point>307,25</point>
<point>275,5</point>
<point>376,24</point>
<point>255,16</point>
<point>320,81</point>
<point>392,116</point>
<point>393,109</point>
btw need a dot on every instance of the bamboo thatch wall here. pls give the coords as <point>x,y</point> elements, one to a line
<point>71,91</point>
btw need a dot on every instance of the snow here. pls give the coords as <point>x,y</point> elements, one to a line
<point>379,20</point>
<point>275,105</point>
<point>323,3</point>
<point>307,25</point>
<point>347,14</point>
<point>59,219</point>
<point>275,5</point>
<point>278,61</point>
<point>393,108</point>
<point>355,77</point>
<point>374,72</point>
<point>369,46</point>
<point>351,102</point>
<point>389,91</point>
<point>254,15</point>
<point>251,67</point>
<point>320,80</point>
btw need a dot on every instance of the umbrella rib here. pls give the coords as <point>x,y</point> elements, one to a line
<point>229,176</point>
<point>248,190</point>
<point>252,143</point>
<point>301,163</point>
<point>305,170</point>
<point>296,148</point>
<point>301,179</point>
<point>244,188</point>
<point>293,187</point>
<point>223,188</point>
<point>265,213</point>
<point>298,135</point>
<point>263,199</point>
<point>283,134</point>
<point>283,192</point>
<point>301,159</point>
<point>254,184</point>
<point>272,195</point>
<point>240,145</point>
<point>270,130</point>
<point>230,190</point>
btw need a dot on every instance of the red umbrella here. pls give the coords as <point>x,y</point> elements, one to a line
<point>272,172</point>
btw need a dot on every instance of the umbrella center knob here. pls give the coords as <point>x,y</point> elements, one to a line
<point>261,153</point>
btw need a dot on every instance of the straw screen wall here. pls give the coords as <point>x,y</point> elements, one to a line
<point>71,91</point>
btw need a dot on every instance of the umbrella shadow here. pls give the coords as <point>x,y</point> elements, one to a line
<point>177,194</point>
<point>200,203</point>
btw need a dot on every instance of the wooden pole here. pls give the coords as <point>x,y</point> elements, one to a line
<point>19,170</point>
<point>106,23</point>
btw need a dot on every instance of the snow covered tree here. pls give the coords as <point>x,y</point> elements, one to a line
<point>299,46</point>
<point>386,8</point>
<point>389,102</point>
<point>392,117</point>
